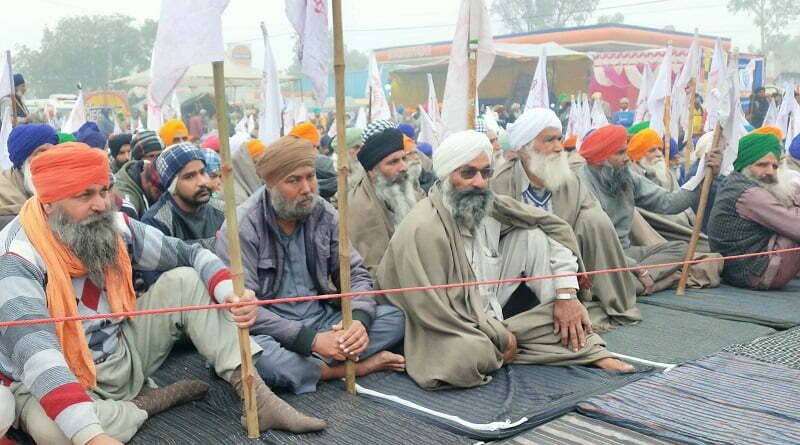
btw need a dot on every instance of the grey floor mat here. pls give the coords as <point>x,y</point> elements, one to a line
<point>518,398</point>
<point>672,336</point>
<point>782,348</point>
<point>779,309</point>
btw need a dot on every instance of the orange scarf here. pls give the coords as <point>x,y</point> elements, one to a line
<point>62,265</point>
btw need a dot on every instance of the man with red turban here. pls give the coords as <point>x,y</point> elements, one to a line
<point>67,254</point>
<point>608,174</point>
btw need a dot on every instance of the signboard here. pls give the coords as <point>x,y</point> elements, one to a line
<point>96,101</point>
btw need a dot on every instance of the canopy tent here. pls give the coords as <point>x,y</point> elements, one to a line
<point>236,75</point>
<point>509,79</point>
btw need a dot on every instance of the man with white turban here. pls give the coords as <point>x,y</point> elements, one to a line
<point>541,177</point>
<point>464,233</point>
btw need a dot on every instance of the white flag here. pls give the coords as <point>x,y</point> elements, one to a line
<point>77,116</point>
<point>139,125</point>
<point>288,117</point>
<point>332,130</point>
<point>7,78</point>
<point>681,96</point>
<point>538,96</point>
<point>300,114</point>
<point>5,131</point>
<point>175,106</point>
<point>155,114</point>
<point>361,118</point>
<point>490,119</point>
<point>787,107</point>
<point>644,92</point>
<point>378,103</point>
<point>716,74</point>
<point>598,116</point>
<point>473,24</point>
<point>251,124</point>
<point>771,117</point>
<point>662,88</point>
<point>427,129</point>
<point>571,119</point>
<point>117,128</point>
<point>189,33</point>
<point>584,118</point>
<point>241,126</point>
<point>269,122</point>
<point>310,19</point>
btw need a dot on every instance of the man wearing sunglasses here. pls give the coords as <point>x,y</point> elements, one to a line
<point>541,177</point>
<point>382,198</point>
<point>465,233</point>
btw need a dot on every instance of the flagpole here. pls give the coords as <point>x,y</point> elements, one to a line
<point>237,272</point>
<point>341,161</point>
<point>472,87</point>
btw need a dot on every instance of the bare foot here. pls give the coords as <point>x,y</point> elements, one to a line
<point>382,361</point>
<point>613,364</point>
<point>668,282</point>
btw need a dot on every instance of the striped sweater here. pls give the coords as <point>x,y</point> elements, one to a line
<point>31,354</point>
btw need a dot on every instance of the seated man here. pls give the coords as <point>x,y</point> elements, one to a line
<point>139,187</point>
<point>214,172</point>
<point>541,177</point>
<point>354,144</point>
<point>146,146</point>
<point>382,198</point>
<point>186,209</point>
<point>757,211</point>
<point>609,177</point>
<point>245,179</point>
<point>289,242</point>
<point>24,143</point>
<point>67,254</point>
<point>173,132</point>
<point>465,233</point>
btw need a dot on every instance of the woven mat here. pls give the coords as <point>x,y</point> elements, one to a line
<point>782,348</point>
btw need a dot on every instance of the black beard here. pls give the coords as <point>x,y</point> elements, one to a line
<point>292,211</point>
<point>468,206</point>
<point>616,179</point>
<point>93,241</point>
<point>197,199</point>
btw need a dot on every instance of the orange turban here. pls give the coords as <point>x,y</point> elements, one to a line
<point>642,142</point>
<point>603,142</point>
<point>306,131</point>
<point>255,147</point>
<point>571,141</point>
<point>68,170</point>
<point>408,144</point>
<point>168,130</point>
<point>769,130</point>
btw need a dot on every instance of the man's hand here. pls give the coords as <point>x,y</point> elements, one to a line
<point>354,340</point>
<point>570,319</point>
<point>243,316</point>
<point>103,439</point>
<point>647,282</point>
<point>511,349</point>
<point>326,344</point>
<point>713,161</point>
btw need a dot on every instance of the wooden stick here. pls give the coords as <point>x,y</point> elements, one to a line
<point>689,148</point>
<point>14,108</point>
<point>237,272</point>
<point>667,132</point>
<point>341,161</point>
<point>701,212</point>
<point>472,87</point>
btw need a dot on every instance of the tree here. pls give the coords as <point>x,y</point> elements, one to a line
<point>616,17</point>
<point>535,15</point>
<point>354,60</point>
<point>770,16</point>
<point>92,50</point>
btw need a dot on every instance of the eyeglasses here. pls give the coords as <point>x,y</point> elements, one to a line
<point>468,173</point>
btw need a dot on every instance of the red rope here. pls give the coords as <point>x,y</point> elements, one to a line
<point>378,292</point>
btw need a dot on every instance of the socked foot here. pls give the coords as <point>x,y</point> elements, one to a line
<point>613,364</point>
<point>382,361</point>
<point>156,400</point>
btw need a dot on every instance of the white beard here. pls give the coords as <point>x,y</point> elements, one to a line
<point>399,197</point>
<point>414,170</point>
<point>28,177</point>
<point>552,169</point>
<point>785,190</point>
<point>659,169</point>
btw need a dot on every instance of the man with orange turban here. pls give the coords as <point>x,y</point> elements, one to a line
<point>174,132</point>
<point>609,176</point>
<point>289,228</point>
<point>69,254</point>
<point>307,131</point>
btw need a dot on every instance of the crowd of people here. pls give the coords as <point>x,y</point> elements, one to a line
<point>99,223</point>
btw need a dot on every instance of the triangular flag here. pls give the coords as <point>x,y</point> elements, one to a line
<point>77,116</point>
<point>715,75</point>
<point>681,96</point>
<point>427,129</point>
<point>5,131</point>
<point>644,91</point>
<point>361,118</point>
<point>662,87</point>
<point>787,107</point>
<point>379,106</point>
<point>289,112</point>
<point>598,116</point>
<point>269,121</point>
<point>310,19</point>
<point>538,96</point>
<point>571,118</point>
<point>7,77</point>
<point>301,113</point>
<point>771,117</point>
<point>332,130</point>
<point>433,103</point>
<point>473,25</point>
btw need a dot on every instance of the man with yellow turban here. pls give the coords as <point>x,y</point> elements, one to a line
<point>608,174</point>
<point>757,211</point>
<point>289,243</point>
<point>174,132</point>
<point>67,254</point>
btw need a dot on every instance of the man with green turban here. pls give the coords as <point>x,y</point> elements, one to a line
<point>757,211</point>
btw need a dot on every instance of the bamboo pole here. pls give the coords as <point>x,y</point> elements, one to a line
<point>14,108</point>
<point>701,212</point>
<point>472,87</point>
<point>237,272</point>
<point>341,161</point>
<point>689,148</point>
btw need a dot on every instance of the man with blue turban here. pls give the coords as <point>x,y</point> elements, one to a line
<point>24,143</point>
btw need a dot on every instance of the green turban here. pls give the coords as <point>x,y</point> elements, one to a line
<point>352,137</point>
<point>755,146</point>
<point>66,137</point>
<point>563,97</point>
<point>633,129</point>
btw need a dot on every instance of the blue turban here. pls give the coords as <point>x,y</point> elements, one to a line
<point>794,149</point>
<point>213,162</point>
<point>85,128</point>
<point>426,148</point>
<point>24,139</point>
<point>94,139</point>
<point>407,130</point>
<point>674,150</point>
<point>18,80</point>
<point>174,158</point>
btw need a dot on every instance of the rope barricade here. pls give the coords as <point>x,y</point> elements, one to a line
<point>380,292</point>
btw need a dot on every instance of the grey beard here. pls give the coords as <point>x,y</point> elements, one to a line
<point>93,240</point>
<point>777,185</point>
<point>552,169</point>
<point>468,206</point>
<point>616,180</point>
<point>398,195</point>
<point>27,177</point>
<point>659,170</point>
<point>414,170</point>
<point>292,211</point>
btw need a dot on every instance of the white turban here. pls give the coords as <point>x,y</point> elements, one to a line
<point>530,124</point>
<point>459,149</point>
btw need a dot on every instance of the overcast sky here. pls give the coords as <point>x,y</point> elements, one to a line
<point>373,23</point>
